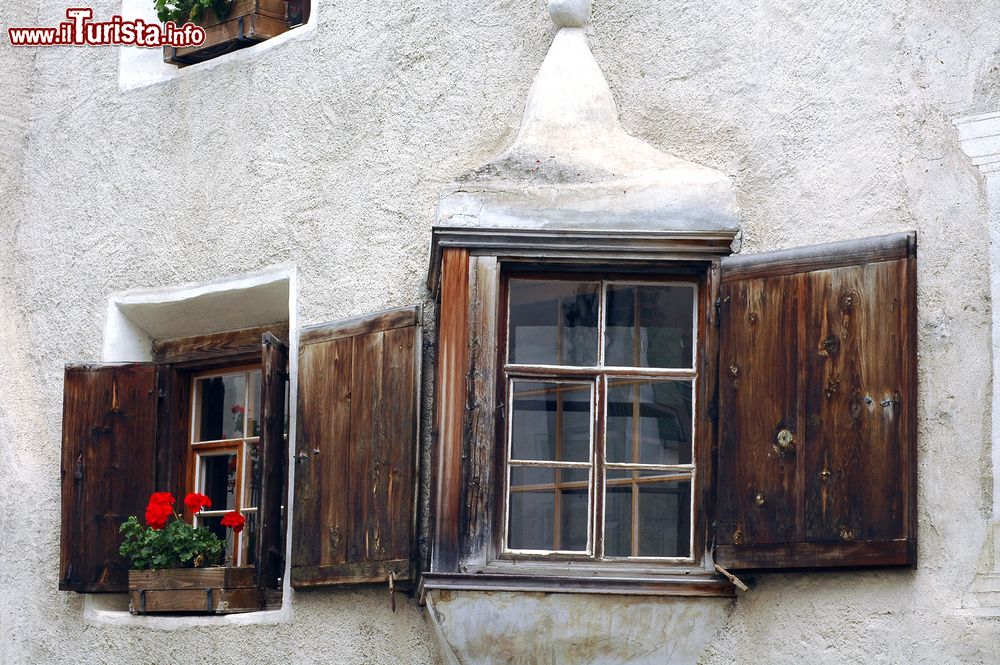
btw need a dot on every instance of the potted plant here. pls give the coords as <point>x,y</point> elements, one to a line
<point>228,24</point>
<point>177,567</point>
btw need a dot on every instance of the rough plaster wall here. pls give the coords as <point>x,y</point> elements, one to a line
<point>328,152</point>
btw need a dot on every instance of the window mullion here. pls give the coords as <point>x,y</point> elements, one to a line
<point>600,416</point>
<point>598,475</point>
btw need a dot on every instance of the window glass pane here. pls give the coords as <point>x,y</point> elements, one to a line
<point>548,509</point>
<point>551,421</point>
<point>218,479</point>
<point>253,408</point>
<point>649,326</point>
<point>214,524</point>
<point>649,422</point>
<point>665,518</point>
<point>648,515</point>
<point>221,407</point>
<point>553,322</point>
<point>251,496</point>
<point>618,519</point>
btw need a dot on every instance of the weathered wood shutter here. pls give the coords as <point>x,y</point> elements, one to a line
<point>817,406</point>
<point>353,519</point>
<point>273,452</point>
<point>108,469</point>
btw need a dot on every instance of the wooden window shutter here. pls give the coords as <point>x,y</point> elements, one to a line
<point>273,451</point>
<point>108,469</point>
<point>817,407</point>
<point>356,450</point>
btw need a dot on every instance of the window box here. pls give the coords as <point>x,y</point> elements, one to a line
<point>215,590</point>
<point>248,22</point>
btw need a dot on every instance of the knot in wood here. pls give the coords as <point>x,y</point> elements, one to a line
<point>784,443</point>
<point>830,345</point>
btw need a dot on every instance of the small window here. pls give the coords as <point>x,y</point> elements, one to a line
<point>242,24</point>
<point>225,445</point>
<point>600,379</point>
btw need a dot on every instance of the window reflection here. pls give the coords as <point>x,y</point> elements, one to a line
<point>649,326</point>
<point>551,421</point>
<point>649,422</point>
<point>553,322</point>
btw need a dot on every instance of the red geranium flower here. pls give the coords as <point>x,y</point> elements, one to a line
<point>159,509</point>
<point>234,520</point>
<point>162,497</point>
<point>238,408</point>
<point>197,502</point>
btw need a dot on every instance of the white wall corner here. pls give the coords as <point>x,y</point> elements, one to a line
<point>979,136</point>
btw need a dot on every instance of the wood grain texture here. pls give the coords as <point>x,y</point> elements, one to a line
<point>451,394</point>
<point>227,346</point>
<point>710,586</point>
<point>480,426</point>
<point>817,555</point>
<point>758,387</point>
<point>270,544</point>
<point>399,317</point>
<point>191,578</point>
<point>820,257</point>
<point>856,458</point>
<point>835,366</point>
<point>706,424</point>
<point>366,451</point>
<point>357,444</point>
<point>320,516</point>
<point>363,572</point>
<point>108,469</point>
<point>173,430</point>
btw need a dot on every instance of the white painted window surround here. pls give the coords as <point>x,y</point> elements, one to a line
<point>140,67</point>
<point>134,319</point>
<point>979,136</point>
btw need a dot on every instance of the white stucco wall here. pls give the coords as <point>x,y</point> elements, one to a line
<point>327,153</point>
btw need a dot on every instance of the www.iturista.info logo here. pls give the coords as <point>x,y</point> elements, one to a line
<point>79,30</point>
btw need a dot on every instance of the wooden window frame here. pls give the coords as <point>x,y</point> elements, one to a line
<point>198,449</point>
<point>597,377</point>
<point>468,423</point>
<point>182,361</point>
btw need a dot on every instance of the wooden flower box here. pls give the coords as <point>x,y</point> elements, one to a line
<point>216,590</point>
<point>248,22</point>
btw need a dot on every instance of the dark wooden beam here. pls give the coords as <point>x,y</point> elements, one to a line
<point>229,346</point>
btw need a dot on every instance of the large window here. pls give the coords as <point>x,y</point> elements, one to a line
<point>600,381</point>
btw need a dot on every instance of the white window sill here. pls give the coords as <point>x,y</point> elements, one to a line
<point>112,610</point>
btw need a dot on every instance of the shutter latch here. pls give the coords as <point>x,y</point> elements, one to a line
<point>737,582</point>
<point>392,591</point>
